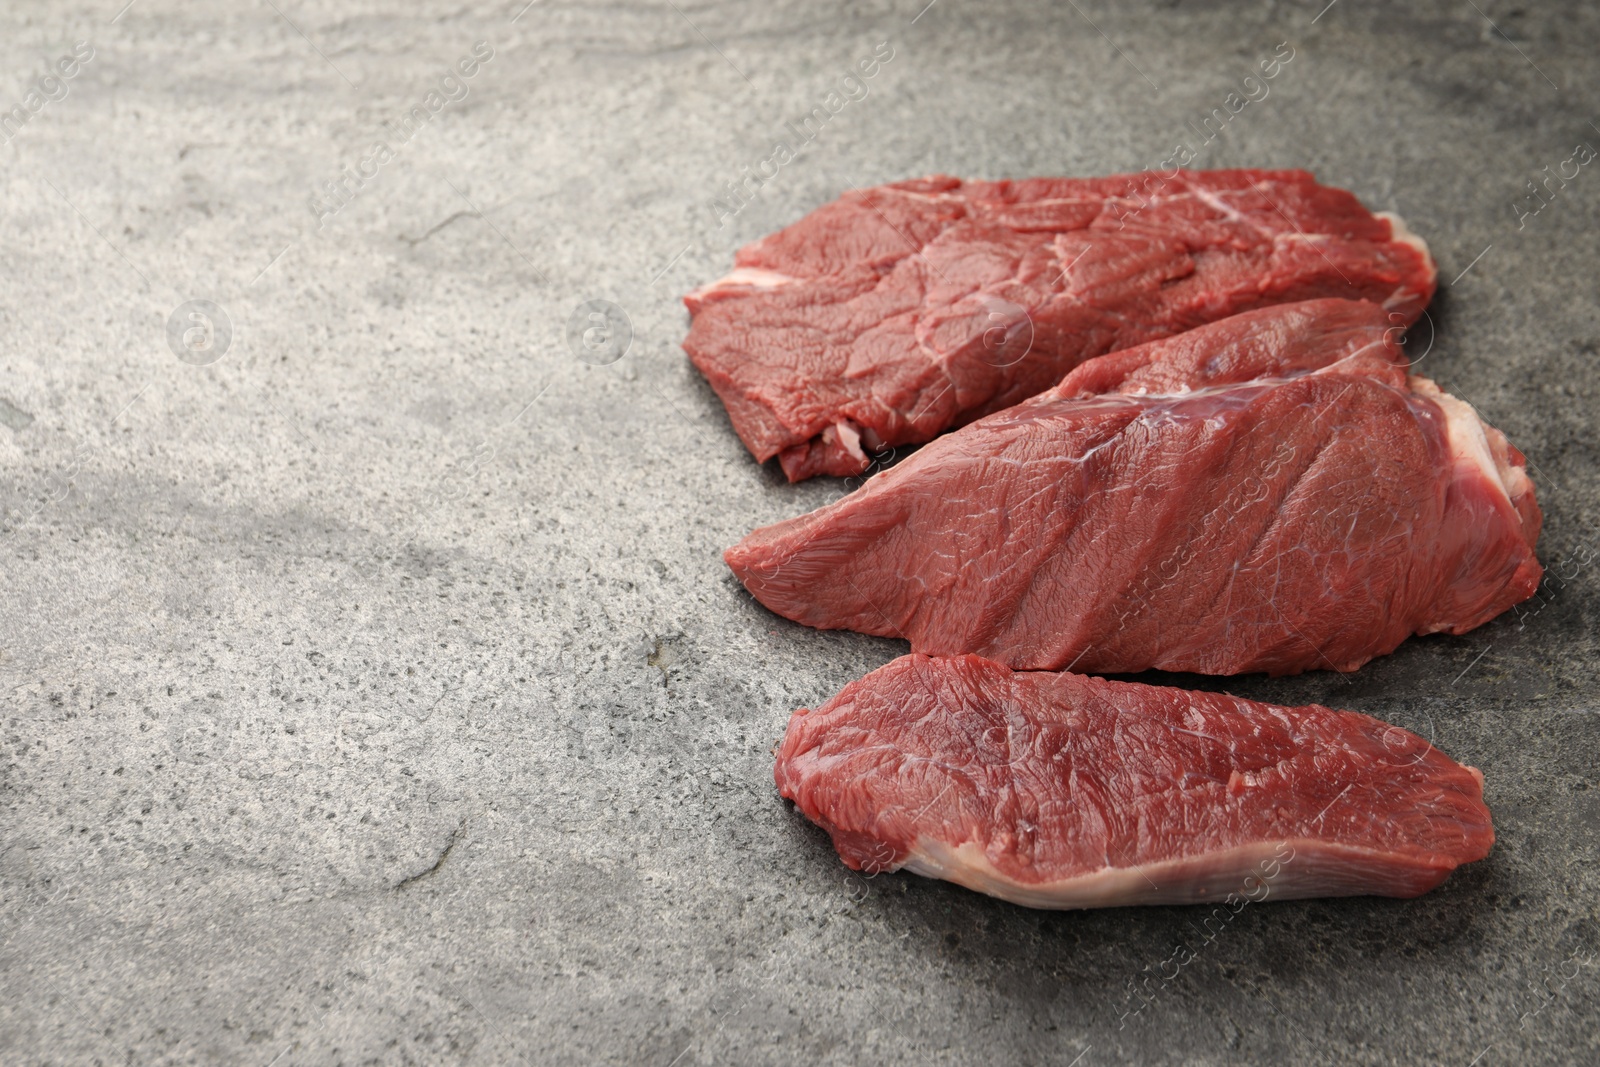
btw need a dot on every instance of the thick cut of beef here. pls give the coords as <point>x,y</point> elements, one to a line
<point>1057,790</point>
<point>897,312</point>
<point>1267,493</point>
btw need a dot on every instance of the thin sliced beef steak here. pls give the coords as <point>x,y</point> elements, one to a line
<point>1056,790</point>
<point>1267,493</point>
<point>897,312</point>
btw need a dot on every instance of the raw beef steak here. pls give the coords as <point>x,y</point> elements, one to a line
<point>1267,493</point>
<point>1056,790</point>
<point>897,312</point>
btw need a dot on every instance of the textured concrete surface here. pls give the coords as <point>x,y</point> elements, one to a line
<point>373,690</point>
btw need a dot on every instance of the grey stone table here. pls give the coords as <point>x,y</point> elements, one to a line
<point>373,689</point>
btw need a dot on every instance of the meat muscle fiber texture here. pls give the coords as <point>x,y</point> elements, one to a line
<point>894,313</point>
<point>1057,790</point>
<point>1268,493</point>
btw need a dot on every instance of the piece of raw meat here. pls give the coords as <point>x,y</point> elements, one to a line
<point>1057,790</point>
<point>896,312</point>
<point>1267,493</point>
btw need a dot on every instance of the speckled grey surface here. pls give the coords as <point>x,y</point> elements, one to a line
<point>374,693</point>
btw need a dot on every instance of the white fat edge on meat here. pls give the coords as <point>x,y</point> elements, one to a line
<point>1469,441</point>
<point>1208,878</point>
<point>744,278</point>
<point>1400,233</point>
<point>847,435</point>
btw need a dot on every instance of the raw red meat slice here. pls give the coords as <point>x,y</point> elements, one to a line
<point>897,312</point>
<point>1166,507</point>
<point>1056,790</point>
